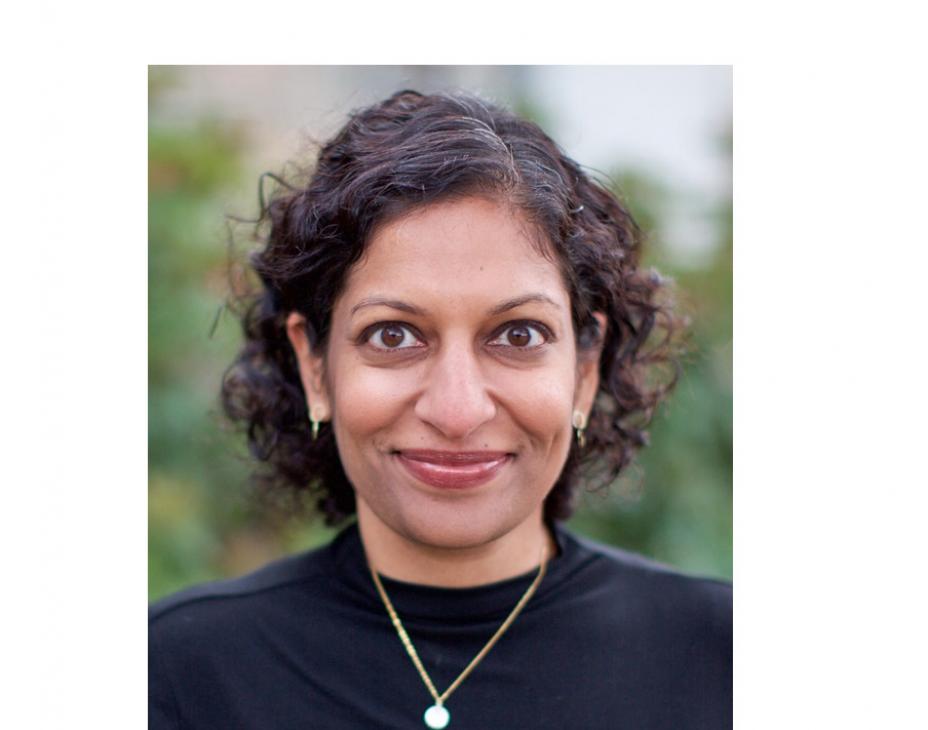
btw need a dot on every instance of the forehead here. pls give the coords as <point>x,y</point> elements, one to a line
<point>460,251</point>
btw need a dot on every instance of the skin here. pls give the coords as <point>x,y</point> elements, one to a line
<point>451,379</point>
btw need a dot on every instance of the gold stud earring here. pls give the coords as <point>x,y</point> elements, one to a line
<point>315,423</point>
<point>579,424</point>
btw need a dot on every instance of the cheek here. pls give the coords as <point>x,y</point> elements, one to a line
<point>540,403</point>
<point>369,400</point>
<point>372,403</point>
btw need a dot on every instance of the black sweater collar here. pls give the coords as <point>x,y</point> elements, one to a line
<point>348,566</point>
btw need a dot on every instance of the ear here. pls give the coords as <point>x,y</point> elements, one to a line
<point>312,368</point>
<point>588,371</point>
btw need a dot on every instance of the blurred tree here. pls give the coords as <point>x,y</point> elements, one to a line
<point>676,504</point>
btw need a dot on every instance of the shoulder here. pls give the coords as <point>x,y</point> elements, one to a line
<point>633,564</point>
<point>207,608</point>
<point>655,592</point>
<point>200,637</point>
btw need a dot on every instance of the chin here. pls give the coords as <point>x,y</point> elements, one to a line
<point>455,531</point>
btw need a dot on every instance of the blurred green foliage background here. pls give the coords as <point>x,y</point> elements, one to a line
<point>675,504</point>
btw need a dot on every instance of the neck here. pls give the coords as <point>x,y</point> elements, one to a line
<point>401,557</point>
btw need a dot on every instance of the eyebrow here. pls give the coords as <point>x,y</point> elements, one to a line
<point>392,303</point>
<point>413,309</point>
<point>524,299</point>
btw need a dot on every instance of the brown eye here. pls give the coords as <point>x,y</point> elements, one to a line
<point>392,337</point>
<point>523,336</point>
<point>519,336</point>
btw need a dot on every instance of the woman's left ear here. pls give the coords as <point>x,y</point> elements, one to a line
<point>588,370</point>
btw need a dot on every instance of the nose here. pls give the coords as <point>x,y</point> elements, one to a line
<point>455,399</point>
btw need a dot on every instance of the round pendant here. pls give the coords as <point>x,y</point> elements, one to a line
<point>437,717</point>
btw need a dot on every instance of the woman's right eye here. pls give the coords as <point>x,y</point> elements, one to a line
<point>392,337</point>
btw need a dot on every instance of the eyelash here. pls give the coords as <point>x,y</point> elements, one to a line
<point>537,326</point>
<point>546,333</point>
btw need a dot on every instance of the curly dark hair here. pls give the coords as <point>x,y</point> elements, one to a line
<point>411,150</point>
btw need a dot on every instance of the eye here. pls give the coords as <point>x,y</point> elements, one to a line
<point>522,335</point>
<point>391,336</point>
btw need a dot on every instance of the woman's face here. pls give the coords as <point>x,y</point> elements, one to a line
<point>451,342</point>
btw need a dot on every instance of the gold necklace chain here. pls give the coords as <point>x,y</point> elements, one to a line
<point>437,716</point>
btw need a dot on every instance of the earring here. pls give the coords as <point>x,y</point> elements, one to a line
<point>315,423</point>
<point>579,423</point>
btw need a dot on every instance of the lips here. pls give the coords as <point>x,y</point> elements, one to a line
<point>453,469</point>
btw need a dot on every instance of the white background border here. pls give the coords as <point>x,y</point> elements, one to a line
<point>830,396</point>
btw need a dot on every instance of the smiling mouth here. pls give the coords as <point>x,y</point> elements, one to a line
<point>453,469</point>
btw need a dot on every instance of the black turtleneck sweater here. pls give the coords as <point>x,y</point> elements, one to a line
<point>609,640</point>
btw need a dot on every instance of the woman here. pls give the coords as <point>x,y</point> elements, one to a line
<point>452,323</point>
